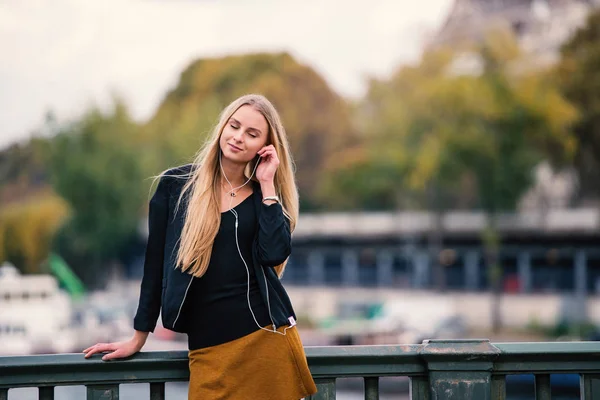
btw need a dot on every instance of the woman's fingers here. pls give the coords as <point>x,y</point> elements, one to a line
<point>92,350</point>
<point>266,148</point>
<point>114,350</point>
<point>94,347</point>
<point>115,354</point>
<point>268,152</point>
<point>121,351</point>
<point>99,348</point>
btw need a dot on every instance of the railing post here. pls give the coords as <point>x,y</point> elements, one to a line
<point>46,393</point>
<point>460,369</point>
<point>157,391</point>
<point>589,387</point>
<point>419,388</point>
<point>325,389</point>
<point>102,392</point>
<point>372,388</point>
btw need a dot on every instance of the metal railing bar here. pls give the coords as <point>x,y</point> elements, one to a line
<point>102,392</point>
<point>46,393</point>
<point>325,390</point>
<point>589,387</point>
<point>157,391</point>
<point>419,388</point>
<point>372,388</point>
<point>542,387</point>
<point>498,387</point>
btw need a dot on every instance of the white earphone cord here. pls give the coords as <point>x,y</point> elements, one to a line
<point>244,261</point>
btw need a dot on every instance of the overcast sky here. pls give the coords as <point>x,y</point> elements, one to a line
<point>64,55</point>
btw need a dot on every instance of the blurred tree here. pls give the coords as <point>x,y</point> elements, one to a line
<point>434,134</point>
<point>23,170</point>
<point>96,168</point>
<point>30,212</point>
<point>2,241</point>
<point>534,123</point>
<point>317,120</point>
<point>27,230</point>
<point>404,129</point>
<point>579,77</point>
<point>430,123</point>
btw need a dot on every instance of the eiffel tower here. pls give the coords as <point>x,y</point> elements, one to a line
<point>540,26</point>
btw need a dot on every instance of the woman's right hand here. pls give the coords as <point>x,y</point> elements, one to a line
<point>118,349</point>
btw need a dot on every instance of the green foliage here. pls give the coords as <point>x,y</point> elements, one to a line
<point>27,229</point>
<point>2,241</point>
<point>22,160</point>
<point>95,168</point>
<point>580,82</point>
<point>430,130</point>
<point>358,182</point>
<point>23,170</point>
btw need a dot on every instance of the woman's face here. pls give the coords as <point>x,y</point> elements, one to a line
<point>245,133</point>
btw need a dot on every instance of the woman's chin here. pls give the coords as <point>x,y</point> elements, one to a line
<point>236,158</point>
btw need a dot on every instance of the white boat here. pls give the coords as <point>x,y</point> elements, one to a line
<point>35,314</point>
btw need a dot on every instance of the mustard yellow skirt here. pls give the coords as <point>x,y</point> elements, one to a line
<point>262,365</point>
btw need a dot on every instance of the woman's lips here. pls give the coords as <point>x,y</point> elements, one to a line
<point>234,148</point>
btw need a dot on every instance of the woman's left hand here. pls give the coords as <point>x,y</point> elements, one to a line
<point>265,172</point>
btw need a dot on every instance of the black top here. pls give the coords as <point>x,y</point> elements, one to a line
<point>165,287</point>
<point>217,304</point>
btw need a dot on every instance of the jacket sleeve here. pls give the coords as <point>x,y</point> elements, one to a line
<point>151,288</point>
<point>274,236</point>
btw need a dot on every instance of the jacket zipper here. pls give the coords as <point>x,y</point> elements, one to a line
<point>182,301</point>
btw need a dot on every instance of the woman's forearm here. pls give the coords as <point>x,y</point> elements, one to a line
<point>139,338</point>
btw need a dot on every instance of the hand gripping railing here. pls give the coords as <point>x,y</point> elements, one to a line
<point>438,369</point>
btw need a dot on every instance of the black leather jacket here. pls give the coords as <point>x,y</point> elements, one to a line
<point>164,288</point>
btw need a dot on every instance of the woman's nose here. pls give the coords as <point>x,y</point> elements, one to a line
<point>238,136</point>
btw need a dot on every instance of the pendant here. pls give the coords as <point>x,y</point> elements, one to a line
<point>232,194</point>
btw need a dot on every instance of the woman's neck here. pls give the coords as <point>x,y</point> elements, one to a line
<point>233,172</point>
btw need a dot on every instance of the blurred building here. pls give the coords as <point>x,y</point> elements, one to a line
<point>551,251</point>
<point>544,250</point>
<point>541,26</point>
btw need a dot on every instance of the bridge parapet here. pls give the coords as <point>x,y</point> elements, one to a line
<point>437,369</point>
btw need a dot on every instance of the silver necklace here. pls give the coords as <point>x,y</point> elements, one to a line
<point>233,190</point>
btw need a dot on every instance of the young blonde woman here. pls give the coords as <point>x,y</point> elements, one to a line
<point>219,239</point>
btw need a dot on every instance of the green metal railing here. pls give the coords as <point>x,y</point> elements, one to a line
<point>438,369</point>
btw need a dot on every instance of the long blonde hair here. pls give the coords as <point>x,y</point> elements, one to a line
<point>203,215</point>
